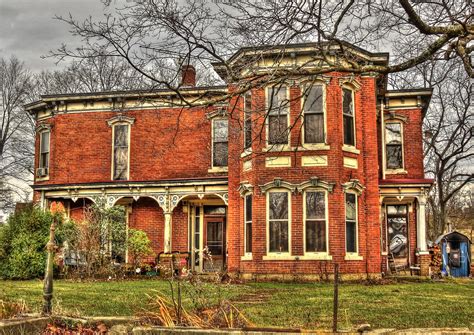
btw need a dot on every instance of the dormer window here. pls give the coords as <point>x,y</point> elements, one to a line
<point>278,114</point>
<point>348,114</point>
<point>393,145</point>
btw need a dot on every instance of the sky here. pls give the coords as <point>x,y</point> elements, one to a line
<point>28,28</point>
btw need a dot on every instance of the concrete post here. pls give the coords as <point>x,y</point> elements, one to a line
<point>421,225</point>
<point>167,242</point>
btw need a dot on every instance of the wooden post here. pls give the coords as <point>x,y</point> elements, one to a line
<point>336,298</point>
<point>48,275</point>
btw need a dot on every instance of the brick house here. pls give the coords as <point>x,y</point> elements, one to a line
<point>282,180</point>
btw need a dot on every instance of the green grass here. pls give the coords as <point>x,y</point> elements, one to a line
<point>399,305</point>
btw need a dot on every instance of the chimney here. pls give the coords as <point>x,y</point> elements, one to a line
<point>188,76</point>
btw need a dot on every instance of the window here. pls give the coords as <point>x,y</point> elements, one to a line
<point>248,121</point>
<point>278,222</point>
<point>44,153</point>
<point>315,221</point>
<point>393,147</point>
<point>348,116</point>
<point>351,223</point>
<point>278,115</point>
<point>219,142</point>
<point>313,111</point>
<point>248,224</point>
<point>121,151</point>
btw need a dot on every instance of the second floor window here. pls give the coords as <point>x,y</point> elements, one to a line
<point>219,142</point>
<point>248,121</point>
<point>44,153</point>
<point>348,116</point>
<point>313,110</point>
<point>393,146</point>
<point>121,151</point>
<point>278,107</point>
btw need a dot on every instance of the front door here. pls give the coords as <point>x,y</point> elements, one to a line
<point>214,242</point>
<point>397,223</point>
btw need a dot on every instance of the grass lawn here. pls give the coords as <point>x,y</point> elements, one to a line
<point>398,305</point>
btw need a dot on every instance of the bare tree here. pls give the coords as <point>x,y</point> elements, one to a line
<point>16,128</point>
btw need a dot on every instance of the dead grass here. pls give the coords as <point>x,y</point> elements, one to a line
<point>10,309</point>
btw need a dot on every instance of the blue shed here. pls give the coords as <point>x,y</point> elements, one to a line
<point>456,252</point>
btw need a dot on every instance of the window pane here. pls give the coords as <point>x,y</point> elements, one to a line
<point>44,160</point>
<point>277,129</point>
<point>313,100</point>
<point>220,154</point>
<point>278,102</point>
<point>248,237</point>
<point>121,135</point>
<point>396,210</point>
<point>347,103</point>
<point>314,128</point>
<point>315,206</point>
<point>349,137</point>
<point>393,133</point>
<point>316,236</point>
<point>45,142</point>
<point>351,238</point>
<point>350,206</point>
<point>120,163</point>
<point>279,236</point>
<point>220,130</point>
<point>394,157</point>
<point>278,203</point>
<point>248,208</point>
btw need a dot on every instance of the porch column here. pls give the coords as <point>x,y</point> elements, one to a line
<point>421,225</point>
<point>167,243</point>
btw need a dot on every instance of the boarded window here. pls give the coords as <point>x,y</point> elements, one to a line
<point>278,222</point>
<point>248,121</point>
<point>44,149</point>
<point>248,224</point>
<point>393,140</point>
<point>351,222</point>
<point>313,115</point>
<point>397,222</point>
<point>121,152</point>
<point>220,142</point>
<point>348,117</point>
<point>315,222</point>
<point>278,115</point>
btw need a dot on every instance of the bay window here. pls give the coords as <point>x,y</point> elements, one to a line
<point>278,208</point>
<point>313,114</point>
<point>248,224</point>
<point>315,221</point>
<point>348,114</point>
<point>278,113</point>
<point>351,223</point>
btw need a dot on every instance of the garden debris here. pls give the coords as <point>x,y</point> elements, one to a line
<point>10,309</point>
<point>62,328</point>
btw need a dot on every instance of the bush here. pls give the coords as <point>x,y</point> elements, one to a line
<point>22,243</point>
<point>139,246</point>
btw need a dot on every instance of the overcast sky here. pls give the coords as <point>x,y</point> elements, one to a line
<point>28,28</point>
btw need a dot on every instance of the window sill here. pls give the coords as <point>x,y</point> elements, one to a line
<point>316,257</point>
<point>353,257</point>
<point>246,153</point>
<point>309,147</point>
<point>46,178</point>
<point>352,149</point>
<point>217,169</point>
<point>247,257</point>
<point>396,171</point>
<point>279,257</point>
<point>277,148</point>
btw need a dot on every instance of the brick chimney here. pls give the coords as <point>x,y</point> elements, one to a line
<point>188,76</point>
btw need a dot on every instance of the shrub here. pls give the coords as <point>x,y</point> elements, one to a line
<point>22,243</point>
<point>139,246</point>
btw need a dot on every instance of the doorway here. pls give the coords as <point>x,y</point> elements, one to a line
<point>397,224</point>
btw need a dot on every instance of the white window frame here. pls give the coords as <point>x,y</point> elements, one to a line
<point>247,255</point>
<point>274,254</point>
<point>40,134</point>
<point>352,255</point>
<point>349,147</point>
<point>402,168</point>
<point>128,124</point>
<point>322,145</point>
<point>218,168</point>
<point>284,146</point>
<point>316,254</point>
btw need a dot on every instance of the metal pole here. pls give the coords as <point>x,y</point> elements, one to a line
<point>48,276</point>
<point>336,298</point>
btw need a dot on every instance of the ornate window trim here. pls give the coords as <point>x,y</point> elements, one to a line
<point>392,116</point>
<point>314,183</point>
<point>245,189</point>
<point>42,127</point>
<point>120,118</point>
<point>220,112</point>
<point>353,186</point>
<point>278,183</point>
<point>350,82</point>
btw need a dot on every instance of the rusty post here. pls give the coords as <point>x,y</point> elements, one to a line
<point>336,298</point>
<point>48,276</point>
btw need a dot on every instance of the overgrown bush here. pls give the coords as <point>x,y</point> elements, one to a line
<point>22,243</point>
<point>139,246</point>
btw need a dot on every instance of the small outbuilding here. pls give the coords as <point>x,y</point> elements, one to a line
<point>456,252</point>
